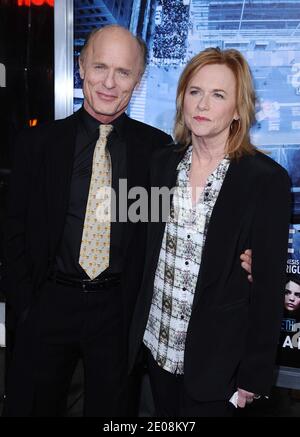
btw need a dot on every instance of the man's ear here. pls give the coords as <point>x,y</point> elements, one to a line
<point>138,83</point>
<point>81,68</point>
<point>137,86</point>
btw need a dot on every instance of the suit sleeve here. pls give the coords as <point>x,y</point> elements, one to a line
<point>17,282</point>
<point>269,251</point>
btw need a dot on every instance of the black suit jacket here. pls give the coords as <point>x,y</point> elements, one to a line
<point>234,327</point>
<point>38,203</point>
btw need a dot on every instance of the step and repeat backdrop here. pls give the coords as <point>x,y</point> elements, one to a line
<point>268,33</point>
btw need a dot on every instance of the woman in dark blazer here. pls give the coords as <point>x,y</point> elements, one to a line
<point>211,335</point>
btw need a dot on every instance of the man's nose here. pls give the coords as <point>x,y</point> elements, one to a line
<point>109,80</point>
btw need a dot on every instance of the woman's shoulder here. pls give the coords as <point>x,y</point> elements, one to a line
<point>264,164</point>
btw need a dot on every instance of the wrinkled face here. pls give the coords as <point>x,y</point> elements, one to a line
<point>292,296</point>
<point>209,104</point>
<point>110,70</point>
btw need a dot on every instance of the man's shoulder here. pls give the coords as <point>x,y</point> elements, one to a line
<point>47,128</point>
<point>57,125</point>
<point>147,129</point>
<point>171,150</point>
<point>45,136</point>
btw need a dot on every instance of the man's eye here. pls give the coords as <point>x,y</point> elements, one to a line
<point>124,73</point>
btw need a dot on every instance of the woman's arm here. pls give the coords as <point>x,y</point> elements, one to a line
<point>269,242</point>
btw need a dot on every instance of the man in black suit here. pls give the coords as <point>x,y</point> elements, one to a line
<point>57,310</point>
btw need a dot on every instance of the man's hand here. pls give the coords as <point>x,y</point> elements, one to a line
<point>244,397</point>
<point>246,258</point>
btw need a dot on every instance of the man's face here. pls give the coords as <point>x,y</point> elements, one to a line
<point>110,69</point>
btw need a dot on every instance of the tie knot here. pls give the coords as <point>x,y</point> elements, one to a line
<point>105,130</point>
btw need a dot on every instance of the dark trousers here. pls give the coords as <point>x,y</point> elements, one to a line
<point>171,399</point>
<point>64,325</point>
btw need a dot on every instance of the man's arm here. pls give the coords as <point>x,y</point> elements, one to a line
<point>17,281</point>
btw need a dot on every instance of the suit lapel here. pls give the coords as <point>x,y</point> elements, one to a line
<point>223,226</point>
<point>59,163</point>
<point>163,175</point>
<point>135,164</point>
<point>137,156</point>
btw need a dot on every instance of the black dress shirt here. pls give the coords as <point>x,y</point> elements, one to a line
<point>86,138</point>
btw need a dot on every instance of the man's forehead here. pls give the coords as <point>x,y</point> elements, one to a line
<point>118,58</point>
<point>100,45</point>
<point>120,38</point>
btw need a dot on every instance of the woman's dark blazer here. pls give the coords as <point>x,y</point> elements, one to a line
<point>234,327</point>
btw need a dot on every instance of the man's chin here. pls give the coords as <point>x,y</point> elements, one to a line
<point>104,116</point>
<point>105,110</point>
<point>109,112</point>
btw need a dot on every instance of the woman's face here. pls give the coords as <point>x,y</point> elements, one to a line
<point>209,104</point>
<point>292,296</point>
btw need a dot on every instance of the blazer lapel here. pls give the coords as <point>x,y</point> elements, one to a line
<point>223,226</point>
<point>135,164</point>
<point>59,164</point>
<point>136,175</point>
<point>164,175</point>
<point>135,157</point>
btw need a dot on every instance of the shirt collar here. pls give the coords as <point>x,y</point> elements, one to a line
<point>91,124</point>
<point>186,161</point>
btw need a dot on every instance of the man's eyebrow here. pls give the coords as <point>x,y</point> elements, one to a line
<point>128,70</point>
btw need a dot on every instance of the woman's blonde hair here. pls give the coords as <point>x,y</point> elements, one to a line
<point>239,139</point>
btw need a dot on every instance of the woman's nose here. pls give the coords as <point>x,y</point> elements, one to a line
<point>203,103</point>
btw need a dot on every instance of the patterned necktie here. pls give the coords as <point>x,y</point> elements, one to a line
<point>95,244</point>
